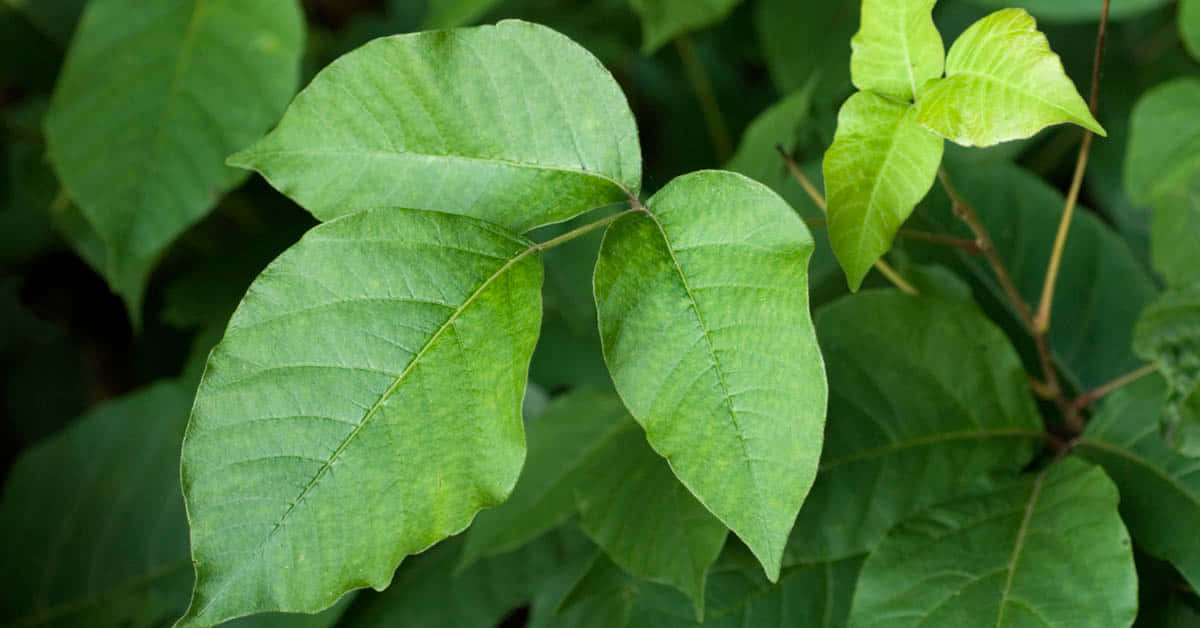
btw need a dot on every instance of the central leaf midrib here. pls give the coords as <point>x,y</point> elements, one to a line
<point>726,397</point>
<point>370,413</point>
<point>1019,544</point>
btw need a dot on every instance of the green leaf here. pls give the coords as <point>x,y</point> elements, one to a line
<point>1075,10</point>
<point>1189,26</point>
<point>452,13</point>
<point>150,101</point>
<point>1160,488</point>
<point>428,591</point>
<point>1049,550</point>
<point>664,20</point>
<point>564,441</point>
<point>103,538</point>
<point>927,401</point>
<point>881,164</point>
<point>1175,234</point>
<point>364,404</point>
<point>631,488</point>
<point>897,48</point>
<point>703,307</point>
<point>513,123</point>
<point>1168,333</point>
<point>803,40</point>
<point>757,155</point>
<point>1002,83</point>
<point>1102,287</point>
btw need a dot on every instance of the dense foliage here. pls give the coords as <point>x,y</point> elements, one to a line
<point>619,313</point>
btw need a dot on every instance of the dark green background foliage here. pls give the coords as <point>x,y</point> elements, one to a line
<point>714,429</point>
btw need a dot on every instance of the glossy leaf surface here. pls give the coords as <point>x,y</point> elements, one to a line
<point>880,166</point>
<point>897,49</point>
<point>1049,550</point>
<point>351,416</point>
<point>150,101</point>
<point>512,123</point>
<point>1002,83</point>
<point>703,307</point>
<point>928,400</point>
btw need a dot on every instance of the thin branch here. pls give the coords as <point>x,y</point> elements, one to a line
<point>1092,396</point>
<point>694,68</point>
<point>579,231</point>
<point>819,199</point>
<point>1042,321</point>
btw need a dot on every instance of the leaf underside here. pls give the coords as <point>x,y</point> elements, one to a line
<point>364,403</point>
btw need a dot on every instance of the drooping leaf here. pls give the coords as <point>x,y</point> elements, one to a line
<point>803,40</point>
<point>1075,10</point>
<point>881,164</point>
<point>150,101</point>
<point>663,20</point>
<point>703,307</point>
<point>364,404</point>
<point>1160,488</point>
<point>1162,171</point>
<point>1189,26</point>
<point>429,591</point>
<point>452,13</point>
<point>632,488</point>
<point>513,123</point>
<point>564,441</point>
<point>1048,550</point>
<point>1102,287</point>
<point>1002,83</point>
<point>897,48</point>
<point>927,401</point>
<point>1168,333</point>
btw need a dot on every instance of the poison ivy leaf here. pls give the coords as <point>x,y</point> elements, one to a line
<point>1076,10</point>
<point>1102,287</point>
<point>164,92</point>
<point>1189,26</point>
<point>631,487</point>
<point>897,48</point>
<point>927,401</point>
<point>881,164</point>
<point>350,416</point>
<point>803,40</point>
<point>1160,488</point>
<point>664,20</point>
<point>571,435</point>
<point>448,121</point>
<point>1002,83</point>
<point>1049,550</point>
<point>699,296</point>
<point>452,13</point>
<point>428,591</point>
<point>1168,333</point>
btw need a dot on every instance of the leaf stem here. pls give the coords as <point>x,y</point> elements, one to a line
<point>694,68</point>
<point>883,267</point>
<point>1042,321</point>
<point>585,229</point>
<point>1092,396</point>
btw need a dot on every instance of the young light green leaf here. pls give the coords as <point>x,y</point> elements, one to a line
<point>632,488</point>
<point>150,101</point>
<point>1075,10</point>
<point>1189,26</point>
<point>1049,550</point>
<point>881,164</point>
<point>700,296</point>
<point>927,401</point>
<point>664,20</point>
<point>1168,333</point>
<point>513,123</point>
<point>452,13</point>
<point>563,442</point>
<point>1160,488</point>
<point>364,404</point>
<point>897,48</point>
<point>1002,83</point>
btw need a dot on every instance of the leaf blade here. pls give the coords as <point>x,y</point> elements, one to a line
<point>897,49</point>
